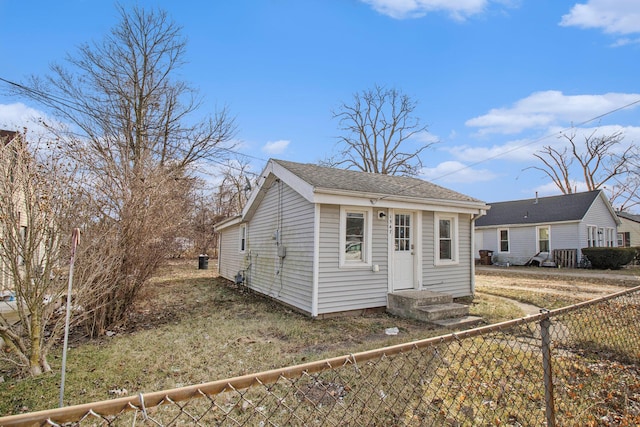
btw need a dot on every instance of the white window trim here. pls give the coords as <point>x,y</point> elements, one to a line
<point>540,227</point>
<point>368,232</point>
<point>500,241</point>
<point>241,238</point>
<point>611,239</point>
<point>455,259</point>
<point>592,236</point>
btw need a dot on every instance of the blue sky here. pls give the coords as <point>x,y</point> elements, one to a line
<point>494,80</point>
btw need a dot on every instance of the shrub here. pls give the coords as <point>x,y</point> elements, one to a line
<point>609,258</point>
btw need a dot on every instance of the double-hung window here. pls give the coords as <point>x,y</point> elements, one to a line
<point>503,236</point>
<point>446,239</point>
<point>543,239</point>
<point>355,237</point>
<point>592,236</point>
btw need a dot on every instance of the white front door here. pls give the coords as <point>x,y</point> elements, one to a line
<point>403,252</point>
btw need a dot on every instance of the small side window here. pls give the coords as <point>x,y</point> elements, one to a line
<point>243,237</point>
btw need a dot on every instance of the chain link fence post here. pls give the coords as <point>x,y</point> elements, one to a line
<point>545,326</point>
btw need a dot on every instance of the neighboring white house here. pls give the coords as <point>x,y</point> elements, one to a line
<point>629,230</point>
<point>325,240</point>
<point>560,226</point>
<point>7,138</point>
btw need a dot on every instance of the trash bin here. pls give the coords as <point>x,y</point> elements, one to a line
<point>203,262</point>
<point>485,257</point>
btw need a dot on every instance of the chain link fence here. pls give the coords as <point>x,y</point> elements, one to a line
<point>576,366</point>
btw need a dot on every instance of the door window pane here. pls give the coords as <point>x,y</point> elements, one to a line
<point>403,232</point>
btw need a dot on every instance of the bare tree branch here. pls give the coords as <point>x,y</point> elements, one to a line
<point>136,139</point>
<point>600,161</point>
<point>377,126</point>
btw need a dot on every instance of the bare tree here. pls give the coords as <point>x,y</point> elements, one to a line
<point>32,252</point>
<point>377,128</point>
<point>135,135</point>
<point>234,189</point>
<point>625,191</point>
<point>598,162</point>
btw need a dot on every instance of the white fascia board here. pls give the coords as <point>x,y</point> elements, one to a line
<point>272,172</point>
<point>227,223</point>
<point>376,200</point>
<point>533,224</point>
<point>608,205</point>
<point>299,185</point>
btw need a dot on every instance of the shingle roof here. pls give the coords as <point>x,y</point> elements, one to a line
<point>7,135</point>
<point>567,207</point>
<point>325,178</point>
<point>629,216</point>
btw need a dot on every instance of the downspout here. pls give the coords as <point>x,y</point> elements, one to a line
<point>473,245</point>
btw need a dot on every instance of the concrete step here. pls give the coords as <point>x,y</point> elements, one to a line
<point>435,312</point>
<point>406,300</point>
<point>459,322</point>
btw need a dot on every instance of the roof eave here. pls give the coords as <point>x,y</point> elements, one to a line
<point>325,195</point>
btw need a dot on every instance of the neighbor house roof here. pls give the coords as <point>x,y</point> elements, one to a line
<point>566,207</point>
<point>629,216</point>
<point>326,178</point>
<point>7,135</point>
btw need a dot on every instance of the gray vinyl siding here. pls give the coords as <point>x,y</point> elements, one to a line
<point>566,236</point>
<point>631,227</point>
<point>522,245</point>
<point>230,260</point>
<point>452,279</point>
<point>287,279</point>
<point>598,215</point>
<point>344,289</point>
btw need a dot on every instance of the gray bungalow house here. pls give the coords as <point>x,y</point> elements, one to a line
<point>629,229</point>
<point>325,240</point>
<point>555,227</point>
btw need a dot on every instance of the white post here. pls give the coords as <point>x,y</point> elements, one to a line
<point>75,237</point>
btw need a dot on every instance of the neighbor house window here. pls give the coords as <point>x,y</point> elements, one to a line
<point>22,248</point>
<point>601,236</point>
<point>243,237</point>
<point>446,233</point>
<point>610,234</point>
<point>592,236</point>
<point>543,239</point>
<point>503,235</point>
<point>624,239</point>
<point>355,236</point>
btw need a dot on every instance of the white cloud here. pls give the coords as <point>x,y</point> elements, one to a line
<point>456,172</point>
<point>625,42</point>
<point>612,16</point>
<point>401,9</point>
<point>543,109</point>
<point>17,116</point>
<point>516,150</point>
<point>276,147</point>
<point>426,138</point>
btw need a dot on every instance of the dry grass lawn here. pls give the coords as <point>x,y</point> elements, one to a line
<point>191,327</point>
